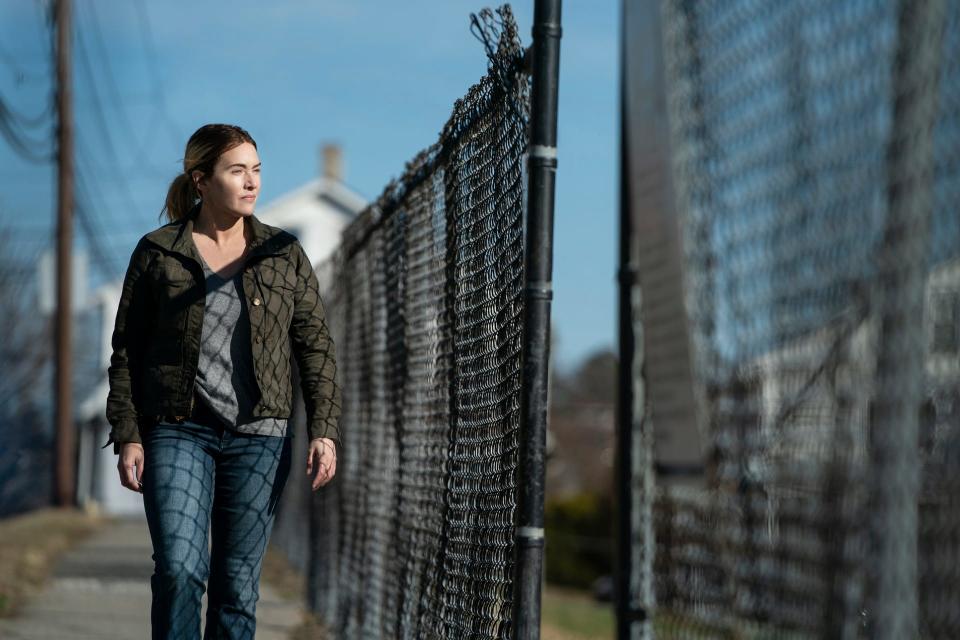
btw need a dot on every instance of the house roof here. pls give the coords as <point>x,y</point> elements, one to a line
<point>316,213</point>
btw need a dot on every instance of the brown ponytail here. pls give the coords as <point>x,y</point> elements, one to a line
<point>181,196</point>
<point>204,148</point>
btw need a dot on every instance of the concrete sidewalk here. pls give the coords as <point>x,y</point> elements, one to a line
<point>101,590</point>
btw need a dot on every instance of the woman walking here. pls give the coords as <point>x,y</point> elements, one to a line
<point>213,304</point>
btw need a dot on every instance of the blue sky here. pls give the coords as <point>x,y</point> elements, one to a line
<point>379,78</point>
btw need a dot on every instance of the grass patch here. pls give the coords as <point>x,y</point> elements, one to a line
<point>30,545</point>
<point>574,615</point>
<point>567,614</point>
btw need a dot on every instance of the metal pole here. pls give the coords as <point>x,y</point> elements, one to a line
<point>633,470</point>
<point>64,429</point>
<point>538,293</point>
<point>900,359</point>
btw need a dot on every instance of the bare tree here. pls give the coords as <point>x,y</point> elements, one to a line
<point>26,349</point>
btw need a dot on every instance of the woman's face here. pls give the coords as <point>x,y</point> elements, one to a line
<point>235,182</point>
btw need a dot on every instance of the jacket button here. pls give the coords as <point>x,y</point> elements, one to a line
<point>258,339</point>
<point>256,302</point>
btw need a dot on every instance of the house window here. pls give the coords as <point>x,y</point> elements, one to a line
<point>945,314</point>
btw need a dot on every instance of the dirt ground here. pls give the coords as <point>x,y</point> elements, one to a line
<point>30,545</point>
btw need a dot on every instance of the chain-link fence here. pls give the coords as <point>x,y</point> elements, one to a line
<point>414,538</point>
<point>813,163</point>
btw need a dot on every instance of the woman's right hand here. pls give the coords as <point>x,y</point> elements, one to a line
<point>130,466</point>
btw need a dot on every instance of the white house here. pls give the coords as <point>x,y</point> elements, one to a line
<point>316,213</point>
<point>814,394</point>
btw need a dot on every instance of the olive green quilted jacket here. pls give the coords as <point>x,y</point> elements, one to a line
<point>156,337</point>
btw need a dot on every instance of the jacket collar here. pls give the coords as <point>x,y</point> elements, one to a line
<point>176,236</point>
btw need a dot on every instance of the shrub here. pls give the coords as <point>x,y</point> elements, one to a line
<point>579,539</point>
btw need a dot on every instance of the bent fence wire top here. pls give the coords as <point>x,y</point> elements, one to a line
<point>415,536</point>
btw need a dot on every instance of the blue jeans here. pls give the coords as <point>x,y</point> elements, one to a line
<point>192,472</point>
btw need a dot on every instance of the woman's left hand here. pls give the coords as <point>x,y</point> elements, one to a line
<point>322,461</point>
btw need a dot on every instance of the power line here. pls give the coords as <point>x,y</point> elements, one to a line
<point>93,186</point>
<point>100,119</point>
<point>12,131</point>
<point>114,94</point>
<point>42,119</point>
<point>151,54</point>
<point>90,223</point>
<point>13,123</point>
<point>98,105</point>
<point>94,228</point>
<point>100,257</point>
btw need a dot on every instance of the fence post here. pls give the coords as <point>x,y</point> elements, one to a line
<point>538,293</point>
<point>633,470</point>
<point>900,356</point>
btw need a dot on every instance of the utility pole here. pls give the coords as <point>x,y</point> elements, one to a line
<point>64,430</point>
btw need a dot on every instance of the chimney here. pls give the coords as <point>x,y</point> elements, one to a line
<point>331,163</point>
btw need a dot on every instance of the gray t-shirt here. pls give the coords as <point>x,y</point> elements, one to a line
<point>226,382</point>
